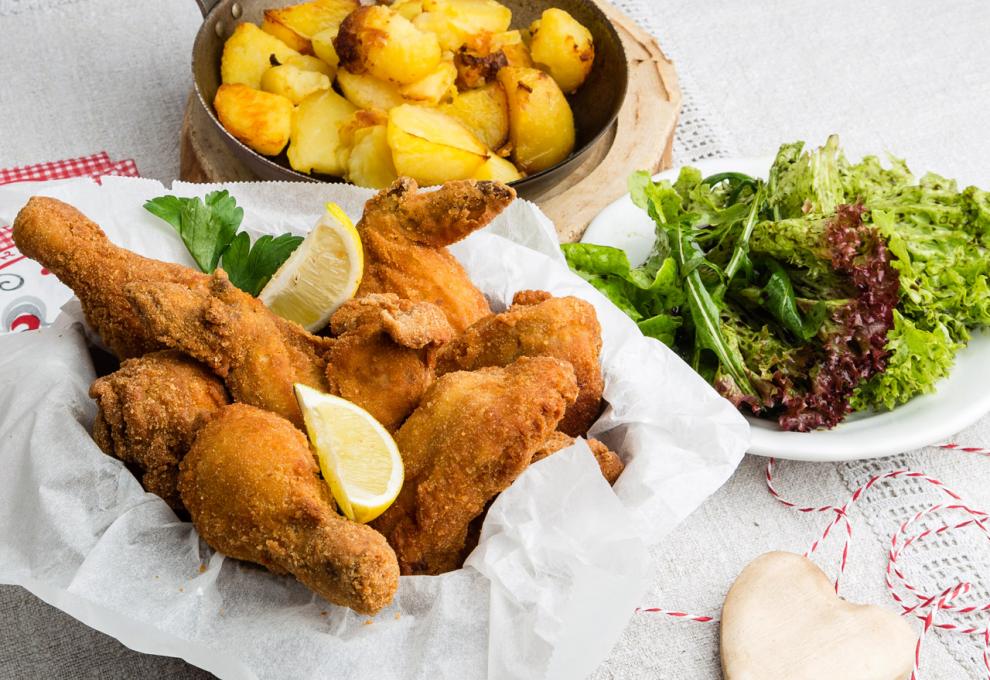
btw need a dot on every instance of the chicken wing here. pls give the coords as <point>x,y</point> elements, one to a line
<point>538,324</point>
<point>149,413</point>
<point>608,461</point>
<point>76,250</point>
<point>258,354</point>
<point>471,436</point>
<point>254,493</point>
<point>404,233</point>
<point>383,354</point>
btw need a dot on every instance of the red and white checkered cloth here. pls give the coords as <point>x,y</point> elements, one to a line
<point>96,166</point>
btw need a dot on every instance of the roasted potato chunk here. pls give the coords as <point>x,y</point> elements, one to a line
<point>293,83</point>
<point>247,55</point>
<point>432,147</point>
<point>562,47</point>
<point>261,120</point>
<point>306,62</point>
<point>297,24</point>
<point>323,46</point>
<point>498,168</point>
<point>541,123</point>
<point>410,9</point>
<point>385,44</point>
<point>435,87</point>
<point>315,138</point>
<point>370,162</point>
<point>485,112</point>
<point>511,44</point>
<point>454,21</point>
<point>368,92</point>
<point>359,120</point>
<point>479,59</point>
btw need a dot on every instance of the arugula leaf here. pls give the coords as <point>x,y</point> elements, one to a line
<point>206,228</point>
<point>250,267</point>
<point>782,304</point>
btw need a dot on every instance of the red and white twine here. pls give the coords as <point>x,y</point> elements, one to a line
<point>934,610</point>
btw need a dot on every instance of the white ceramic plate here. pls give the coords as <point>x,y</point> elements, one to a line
<point>959,401</point>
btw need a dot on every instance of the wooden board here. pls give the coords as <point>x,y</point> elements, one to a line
<point>640,140</point>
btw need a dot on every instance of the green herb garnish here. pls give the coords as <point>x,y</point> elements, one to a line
<point>209,227</point>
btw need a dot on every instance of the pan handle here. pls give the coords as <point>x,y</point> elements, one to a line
<point>206,6</point>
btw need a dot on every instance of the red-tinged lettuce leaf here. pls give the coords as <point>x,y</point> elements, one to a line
<point>854,337</point>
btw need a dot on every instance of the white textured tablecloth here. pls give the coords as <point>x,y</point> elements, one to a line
<point>78,76</point>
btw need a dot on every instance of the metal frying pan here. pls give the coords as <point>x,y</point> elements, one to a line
<point>595,105</point>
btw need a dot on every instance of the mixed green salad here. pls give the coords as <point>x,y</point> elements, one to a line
<point>828,287</point>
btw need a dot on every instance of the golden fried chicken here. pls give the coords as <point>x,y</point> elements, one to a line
<point>608,461</point>
<point>538,324</point>
<point>149,413</point>
<point>472,435</point>
<point>76,250</point>
<point>404,233</point>
<point>258,354</point>
<point>254,493</point>
<point>383,354</point>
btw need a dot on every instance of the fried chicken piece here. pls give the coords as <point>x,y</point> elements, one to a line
<point>471,436</point>
<point>383,354</point>
<point>404,233</point>
<point>608,461</point>
<point>76,250</point>
<point>258,354</point>
<point>254,493</point>
<point>538,324</point>
<point>149,412</point>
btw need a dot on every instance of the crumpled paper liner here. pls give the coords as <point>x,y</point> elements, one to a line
<point>562,559</point>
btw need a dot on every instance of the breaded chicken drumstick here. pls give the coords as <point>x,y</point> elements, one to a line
<point>472,435</point>
<point>76,250</point>
<point>405,232</point>
<point>258,354</point>
<point>254,492</point>
<point>149,413</point>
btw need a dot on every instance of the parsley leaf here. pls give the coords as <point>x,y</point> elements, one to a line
<point>209,226</point>
<point>251,267</point>
<point>206,228</point>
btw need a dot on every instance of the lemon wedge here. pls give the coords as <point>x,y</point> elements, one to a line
<point>357,455</point>
<point>320,275</point>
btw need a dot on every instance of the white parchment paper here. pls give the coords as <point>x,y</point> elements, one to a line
<point>562,560</point>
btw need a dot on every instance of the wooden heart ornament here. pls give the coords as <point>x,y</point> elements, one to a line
<point>783,621</point>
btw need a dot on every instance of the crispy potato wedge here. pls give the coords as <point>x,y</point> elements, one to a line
<point>261,120</point>
<point>541,123</point>
<point>435,126</point>
<point>247,55</point>
<point>370,161</point>
<point>315,138</point>
<point>323,46</point>
<point>432,147</point>
<point>367,92</point>
<point>434,88</point>
<point>562,47</point>
<point>296,25</point>
<point>293,83</point>
<point>498,168</point>
<point>485,112</point>
<point>385,44</point>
